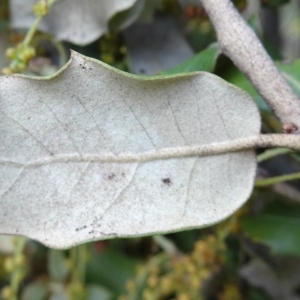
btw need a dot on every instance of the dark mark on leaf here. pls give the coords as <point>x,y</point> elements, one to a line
<point>111,176</point>
<point>167,181</point>
<point>108,234</point>
<point>81,228</point>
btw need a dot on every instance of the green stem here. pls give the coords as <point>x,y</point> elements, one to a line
<point>268,154</point>
<point>31,32</point>
<point>74,259</point>
<point>276,179</point>
<point>82,259</point>
<point>16,276</point>
<point>78,258</point>
<point>33,28</point>
<point>168,246</point>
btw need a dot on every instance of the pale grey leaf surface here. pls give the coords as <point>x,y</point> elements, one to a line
<point>63,180</point>
<point>80,22</point>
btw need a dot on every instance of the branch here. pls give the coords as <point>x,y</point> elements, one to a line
<point>277,179</point>
<point>239,42</point>
<point>248,143</point>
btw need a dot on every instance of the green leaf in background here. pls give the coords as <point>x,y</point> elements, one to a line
<point>237,78</point>
<point>203,61</point>
<point>291,73</point>
<point>35,291</point>
<point>57,267</point>
<point>278,227</point>
<point>111,269</point>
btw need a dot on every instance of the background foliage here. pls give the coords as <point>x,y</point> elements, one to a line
<point>252,255</point>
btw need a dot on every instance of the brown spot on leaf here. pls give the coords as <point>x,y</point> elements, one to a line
<point>167,181</point>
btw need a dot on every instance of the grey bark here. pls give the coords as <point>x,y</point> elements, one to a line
<point>241,45</point>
